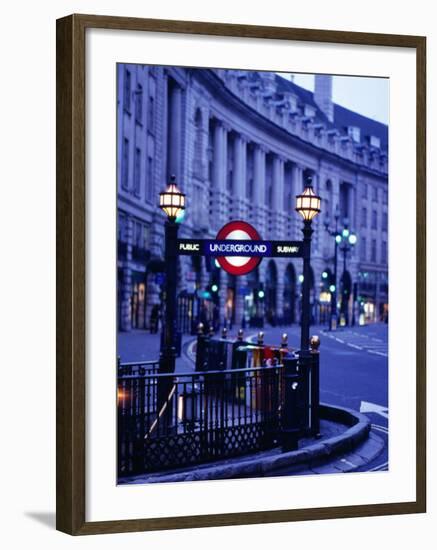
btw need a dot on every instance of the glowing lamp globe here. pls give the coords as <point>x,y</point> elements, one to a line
<point>352,239</point>
<point>172,201</point>
<point>308,203</point>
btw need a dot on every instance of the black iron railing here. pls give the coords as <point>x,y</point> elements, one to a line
<point>256,398</point>
<point>167,421</point>
<point>137,368</point>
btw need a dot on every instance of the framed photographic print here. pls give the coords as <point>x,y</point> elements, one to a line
<point>240,274</point>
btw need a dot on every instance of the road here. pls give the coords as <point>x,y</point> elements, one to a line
<point>353,372</point>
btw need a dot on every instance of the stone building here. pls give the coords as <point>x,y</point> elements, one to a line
<point>242,144</point>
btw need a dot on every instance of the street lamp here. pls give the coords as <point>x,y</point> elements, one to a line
<point>347,242</point>
<point>308,206</point>
<point>333,288</point>
<point>172,202</point>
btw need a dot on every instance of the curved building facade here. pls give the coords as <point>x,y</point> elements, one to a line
<point>242,144</point>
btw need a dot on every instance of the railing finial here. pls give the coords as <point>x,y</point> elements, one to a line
<point>260,338</point>
<point>240,334</point>
<point>224,332</point>
<point>200,328</point>
<point>314,344</point>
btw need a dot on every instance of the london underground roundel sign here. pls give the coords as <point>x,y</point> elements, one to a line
<point>240,231</point>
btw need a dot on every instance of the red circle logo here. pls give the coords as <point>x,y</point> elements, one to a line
<point>241,231</point>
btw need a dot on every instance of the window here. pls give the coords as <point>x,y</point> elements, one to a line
<point>385,197</point>
<point>127,90</point>
<point>139,104</point>
<point>374,219</point>
<point>384,221</point>
<point>137,172</point>
<point>363,249</point>
<point>309,111</point>
<point>373,252</point>
<point>375,194</point>
<point>365,190</point>
<point>150,114</point>
<point>140,235</point>
<point>375,142</point>
<point>354,133</point>
<point>125,165</point>
<point>363,217</point>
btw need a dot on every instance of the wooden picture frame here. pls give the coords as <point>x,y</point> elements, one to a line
<point>71,254</point>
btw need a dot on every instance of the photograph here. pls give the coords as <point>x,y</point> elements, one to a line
<point>252,274</point>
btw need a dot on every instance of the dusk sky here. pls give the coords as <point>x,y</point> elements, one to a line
<point>365,95</point>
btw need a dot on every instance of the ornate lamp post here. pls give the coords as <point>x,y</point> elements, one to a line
<point>347,241</point>
<point>172,202</point>
<point>308,206</point>
<point>333,288</point>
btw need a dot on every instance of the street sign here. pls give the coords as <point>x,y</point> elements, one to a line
<point>241,232</point>
<point>238,248</point>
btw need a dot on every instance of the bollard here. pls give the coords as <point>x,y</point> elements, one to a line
<point>201,348</point>
<point>291,421</point>
<point>240,335</point>
<point>224,332</point>
<point>283,349</point>
<point>315,386</point>
<point>260,340</point>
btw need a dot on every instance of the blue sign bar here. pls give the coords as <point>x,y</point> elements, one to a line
<point>242,248</point>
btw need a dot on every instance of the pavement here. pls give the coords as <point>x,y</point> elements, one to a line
<point>344,446</point>
<point>353,375</point>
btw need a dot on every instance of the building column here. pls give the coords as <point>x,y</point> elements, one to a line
<point>219,173</point>
<point>298,178</point>
<point>297,186</point>
<point>239,175</point>
<point>317,222</point>
<point>351,207</point>
<point>278,194</point>
<point>174,139</point>
<point>259,184</point>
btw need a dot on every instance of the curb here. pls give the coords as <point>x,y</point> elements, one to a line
<point>358,430</point>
